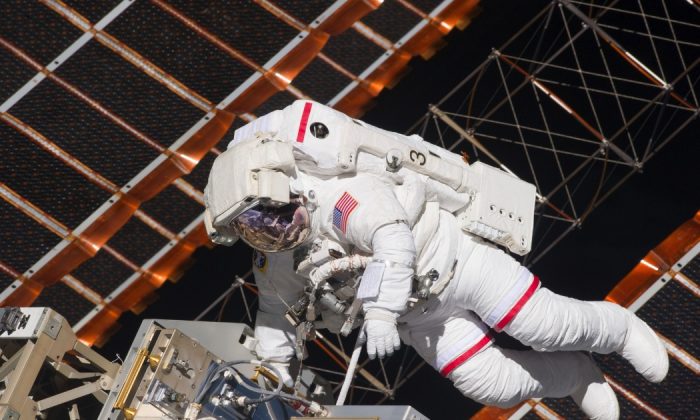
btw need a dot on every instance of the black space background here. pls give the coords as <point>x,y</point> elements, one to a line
<point>585,265</point>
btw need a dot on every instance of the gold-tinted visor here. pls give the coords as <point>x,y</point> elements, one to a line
<point>272,229</point>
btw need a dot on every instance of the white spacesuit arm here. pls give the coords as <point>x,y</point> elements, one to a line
<point>393,254</point>
<point>372,219</point>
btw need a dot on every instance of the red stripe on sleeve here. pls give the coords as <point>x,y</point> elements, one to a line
<point>304,121</point>
<point>518,305</point>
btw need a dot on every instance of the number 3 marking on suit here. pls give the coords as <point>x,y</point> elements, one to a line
<point>417,157</point>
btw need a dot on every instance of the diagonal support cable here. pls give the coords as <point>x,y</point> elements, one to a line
<point>626,55</point>
<point>474,141</point>
<point>554,97</point>
<point>517,126</point>
<point>556,154</point>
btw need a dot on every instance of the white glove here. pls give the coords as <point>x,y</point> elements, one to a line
<point>380,333</point>
<point>283,370</point>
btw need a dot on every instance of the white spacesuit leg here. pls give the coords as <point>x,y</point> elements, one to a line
<point>503,378</point>
<point>457,344</point>
<point>275,337</point>
<point>601,327</point>
<point>508,297</point>
<point>553,322</point>
<point>278,288</point>
<point>444,335</point>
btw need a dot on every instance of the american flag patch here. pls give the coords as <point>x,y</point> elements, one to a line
<point>342,211</point>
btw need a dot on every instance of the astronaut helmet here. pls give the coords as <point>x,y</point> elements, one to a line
<point>273,228</point>
<point>249,196</point>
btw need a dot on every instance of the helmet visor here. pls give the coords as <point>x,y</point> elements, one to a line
<point>272,229</point>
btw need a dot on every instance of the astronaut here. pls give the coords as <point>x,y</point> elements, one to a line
<point>284,198</point>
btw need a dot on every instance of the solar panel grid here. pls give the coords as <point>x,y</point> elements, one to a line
<point>200,174</point>
<point>288,16</point>
<point>142,215</point>
<point>248,27</point>
<point>321,81</point>
<point>137,242</point>
<point>102,273</point>
<point>563,406</point>
<point>129,93</point>
<point>23,240</point>
<point>304,10</point>
<point>692,269</point>
<point>353,51</point>
<point>5,280</point>
<point>277,101</point>
<point>84,133</point>
<point>93,10</point>
<point>679,385</point>
<point>530,415</point>
<point>273,77</point>
<point>65,301</point>
<point>33,27</point>
<point>45,181</point>
<point>179,51</point>
<point>629,410</point>
<point>392,19</point>
<point>223,143</point>
<point>673,312</point>
<point>14,74</point>
<point>173,208</point>
<point>426,5</point>
<point>164,263</point>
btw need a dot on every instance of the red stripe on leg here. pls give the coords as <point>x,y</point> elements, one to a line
<point>518,305</point>
<point>471,351</point>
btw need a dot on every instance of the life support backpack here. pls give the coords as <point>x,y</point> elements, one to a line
<point>323,142</point>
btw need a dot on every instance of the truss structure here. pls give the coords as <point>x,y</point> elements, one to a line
<point>578,101</point>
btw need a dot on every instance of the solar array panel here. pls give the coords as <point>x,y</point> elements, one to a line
<point>112,112</point>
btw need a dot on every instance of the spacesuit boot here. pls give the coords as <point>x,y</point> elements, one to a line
<point>644,350</point>
<point>594,395</point>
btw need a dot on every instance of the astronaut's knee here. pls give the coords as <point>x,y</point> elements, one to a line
<point>483,379</point>
<point>481,390</point>
<point>500,400</point>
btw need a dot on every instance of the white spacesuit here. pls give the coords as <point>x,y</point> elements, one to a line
<point>398,224</point>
